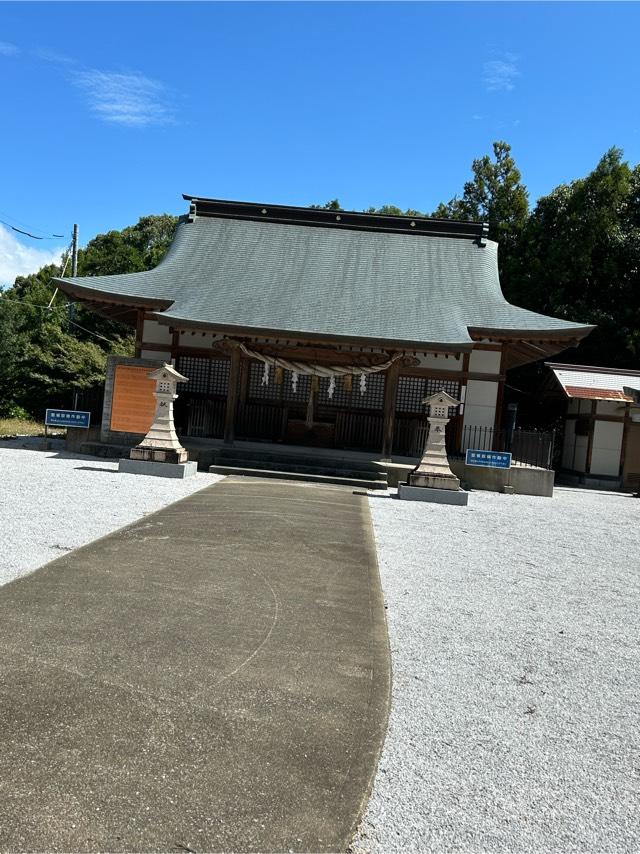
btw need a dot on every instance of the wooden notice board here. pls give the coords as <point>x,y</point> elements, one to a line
<point>133,405</point>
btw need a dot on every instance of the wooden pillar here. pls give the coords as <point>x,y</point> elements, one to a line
<point>139,332</point>
<point>497,420</point>
<point>245,366</point>
<point>389,411</point>
<point>625,439</point>
<point>175,342</point>
<point>466,358</point>
<point>592,427</point>
<point>232,397</point>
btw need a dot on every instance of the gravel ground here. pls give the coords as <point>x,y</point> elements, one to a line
<point>514,628</point>
<point>53,502</point>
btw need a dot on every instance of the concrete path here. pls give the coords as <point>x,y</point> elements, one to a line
<point>214,677</point>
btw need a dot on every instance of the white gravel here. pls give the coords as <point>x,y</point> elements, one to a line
<point>53,502</point>
<point>514,627</point>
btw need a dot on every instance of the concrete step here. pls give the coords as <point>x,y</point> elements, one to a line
<point>317,467</point>
<point>222,455</point>
<point>301,476</point>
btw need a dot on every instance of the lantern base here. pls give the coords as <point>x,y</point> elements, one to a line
<point>159,455</point>
<point>435,496</point>
<point>155,469</point>
<point>434,480</point>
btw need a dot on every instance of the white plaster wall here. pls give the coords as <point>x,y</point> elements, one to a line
<point>163,355</point>
<point>569,443</point>
<point>607,446</point>
<point>485,361</point>
<point>580,457</point>
<point>155,333</point>
<point>480,403</point>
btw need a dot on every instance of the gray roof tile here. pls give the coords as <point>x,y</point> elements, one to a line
<point>289,278</point>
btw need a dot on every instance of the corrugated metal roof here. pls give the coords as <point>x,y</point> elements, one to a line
<point>334,282</point>
<point>590,383</point>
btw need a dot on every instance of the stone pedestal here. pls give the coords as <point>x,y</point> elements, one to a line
<point>158,469</point>
<point>435,496</point>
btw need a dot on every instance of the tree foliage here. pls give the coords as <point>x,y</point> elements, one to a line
<point>46,354</point>
<point>578,257</point>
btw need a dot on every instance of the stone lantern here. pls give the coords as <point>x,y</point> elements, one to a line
<point>160,452</point>
<point>432,479</point>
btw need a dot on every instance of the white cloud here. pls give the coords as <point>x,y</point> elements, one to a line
<point>499,75</point>
<point>129,99</point>
<point>47,55</point>
<point>16,259</point>
<point>8,49</point>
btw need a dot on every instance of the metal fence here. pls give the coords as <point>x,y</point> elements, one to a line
<point>527,447</point>
<point>89,400</point>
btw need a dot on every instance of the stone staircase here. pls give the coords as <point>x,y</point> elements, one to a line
<point>303,466</point>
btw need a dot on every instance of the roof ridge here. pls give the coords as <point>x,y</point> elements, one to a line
<point>593,369</point>
<point>350,220</point>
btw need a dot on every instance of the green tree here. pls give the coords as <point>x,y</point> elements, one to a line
<point>332,205</point>
<point>47,353</point>
<point>393,210</point>
<point>579,258</point>
<point>496,195</point>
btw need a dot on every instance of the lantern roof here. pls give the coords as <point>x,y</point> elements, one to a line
<point>441,398</point>
<point>167,372</point>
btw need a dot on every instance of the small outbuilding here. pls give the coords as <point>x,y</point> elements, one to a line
<point>602,425</point>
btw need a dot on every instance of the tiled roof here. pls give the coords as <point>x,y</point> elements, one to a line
<point>596,393</point>
<point>590,383</point>
<point>307,278</point>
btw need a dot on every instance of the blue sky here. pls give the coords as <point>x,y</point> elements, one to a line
<point>112,110</point>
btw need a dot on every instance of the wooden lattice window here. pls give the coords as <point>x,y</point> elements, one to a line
<point>373,397</point>
<point>206,376</point>
<point>412,391</point>
<point>277,392</point>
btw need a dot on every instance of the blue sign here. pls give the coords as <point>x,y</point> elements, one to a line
<point>67,418</point>
<point>488,459</point>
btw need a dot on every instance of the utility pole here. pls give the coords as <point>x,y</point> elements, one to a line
<point>74,272</point>
<point>74,267</point>
<point>74,251</point>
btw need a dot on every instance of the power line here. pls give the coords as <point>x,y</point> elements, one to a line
<point>50,236</point>
<point>28,233</point>
<point>90,332</point>
<point>21,302</point>
<point>13,301</point>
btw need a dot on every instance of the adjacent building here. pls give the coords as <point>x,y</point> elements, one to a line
<point>319,327</point>
<point>601,443</point>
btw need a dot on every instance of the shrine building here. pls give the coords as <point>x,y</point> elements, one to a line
<point>317,327</point>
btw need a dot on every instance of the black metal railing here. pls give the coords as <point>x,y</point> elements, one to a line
<point>89,400</point>
<point>527,447</point>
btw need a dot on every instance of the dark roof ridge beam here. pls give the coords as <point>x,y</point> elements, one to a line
<point>351,220</point>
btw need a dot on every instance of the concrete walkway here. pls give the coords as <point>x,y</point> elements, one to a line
<point>214,677</point>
